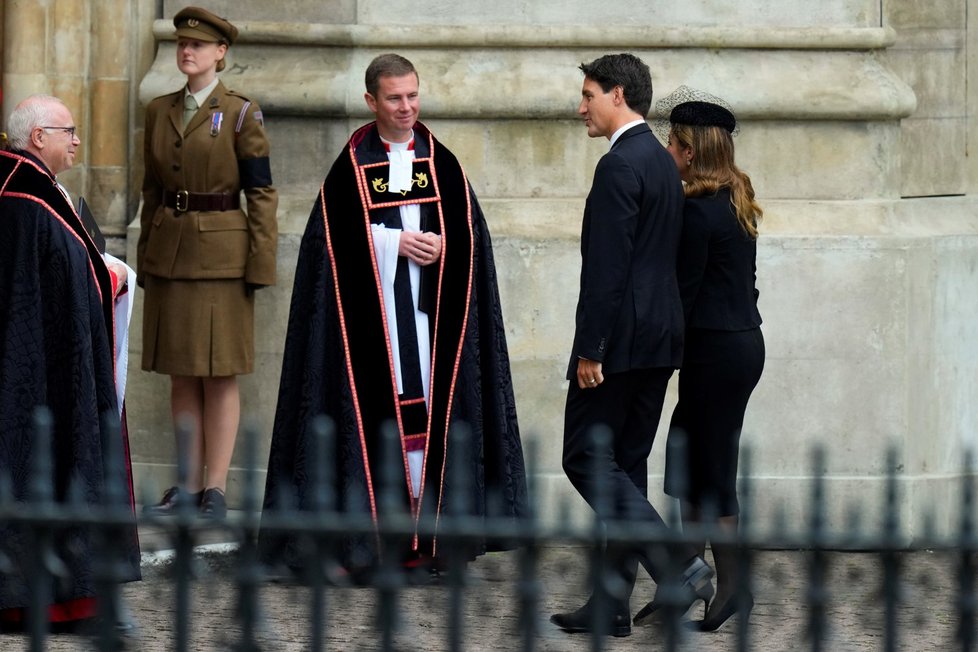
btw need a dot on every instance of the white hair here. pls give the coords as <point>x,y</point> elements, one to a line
<point>33,112</point>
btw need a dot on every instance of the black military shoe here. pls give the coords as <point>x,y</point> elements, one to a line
<point>212,505</point>
<point>172,498</point>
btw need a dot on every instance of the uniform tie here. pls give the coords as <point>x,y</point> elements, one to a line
<point>189,109</point>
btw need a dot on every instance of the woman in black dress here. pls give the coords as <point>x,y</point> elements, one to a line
<point>724,350</point>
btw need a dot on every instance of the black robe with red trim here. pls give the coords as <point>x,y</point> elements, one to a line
<point>337,361</point>
<point>56,349</point>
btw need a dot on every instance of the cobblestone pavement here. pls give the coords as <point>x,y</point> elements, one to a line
<point>926,616</point>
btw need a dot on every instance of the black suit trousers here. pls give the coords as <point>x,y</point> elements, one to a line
<point>629,405</point>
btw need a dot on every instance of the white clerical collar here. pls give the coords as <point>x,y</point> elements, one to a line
<point>401,156</point>
<point>623,129</point>
<point>202,94</point>
<point>393,147</point>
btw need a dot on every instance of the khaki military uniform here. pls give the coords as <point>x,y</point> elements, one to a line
<point>199,264</point>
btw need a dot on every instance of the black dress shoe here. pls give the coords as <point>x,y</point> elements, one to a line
<point>581,622</point>
<point>172,498</point>
<point>212,505</point>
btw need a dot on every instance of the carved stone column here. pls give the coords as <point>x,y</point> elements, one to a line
<point>80,52</point>
<point>24,35</point>
<point>108,101</point>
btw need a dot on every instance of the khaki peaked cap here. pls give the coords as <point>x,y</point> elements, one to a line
<point>200,24</point>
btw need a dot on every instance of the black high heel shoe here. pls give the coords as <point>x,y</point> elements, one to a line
<point>696,586</point>
<point>712,622</point>
<point>647,613</point>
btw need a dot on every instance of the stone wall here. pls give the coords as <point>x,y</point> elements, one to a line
<point>89,54</point>
<point>931,56</point>
<point>855,130</point>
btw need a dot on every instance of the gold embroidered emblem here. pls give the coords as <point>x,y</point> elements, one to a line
<point>421,180</point>
<point>193,22</point>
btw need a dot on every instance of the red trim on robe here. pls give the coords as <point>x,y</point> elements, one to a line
<point>59,612</point>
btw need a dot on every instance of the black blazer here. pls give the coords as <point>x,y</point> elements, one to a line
<point>629,313</point>
<point>717,266</point>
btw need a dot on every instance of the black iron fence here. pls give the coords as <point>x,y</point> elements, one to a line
<point>45,519</point>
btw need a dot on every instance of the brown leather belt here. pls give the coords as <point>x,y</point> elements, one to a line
<point>183,201</point>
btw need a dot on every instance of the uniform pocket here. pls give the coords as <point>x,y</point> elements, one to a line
<point>223,240</point>
<point>162,242</point>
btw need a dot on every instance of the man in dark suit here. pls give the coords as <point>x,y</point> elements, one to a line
<point>629,334</point>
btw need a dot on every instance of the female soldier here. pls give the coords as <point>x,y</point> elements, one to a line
<point>200,256</point>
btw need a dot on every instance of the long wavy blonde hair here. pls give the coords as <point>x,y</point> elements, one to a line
<point>713,167</point>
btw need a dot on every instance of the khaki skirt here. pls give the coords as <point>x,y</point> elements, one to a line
<point>198,328</point>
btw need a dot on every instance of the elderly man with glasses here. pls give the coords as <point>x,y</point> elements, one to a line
<point>57,350</point>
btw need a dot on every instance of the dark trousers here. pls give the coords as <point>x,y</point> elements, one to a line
<point>629,404</point>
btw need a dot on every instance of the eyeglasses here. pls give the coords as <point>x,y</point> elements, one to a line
<point>68,130</point>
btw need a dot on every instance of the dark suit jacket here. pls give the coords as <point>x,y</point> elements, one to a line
<point>717,266</point>
<point>629,313</point>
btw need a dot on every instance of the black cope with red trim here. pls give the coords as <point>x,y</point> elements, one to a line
<point>360,297</point>
<point>337,362</point>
